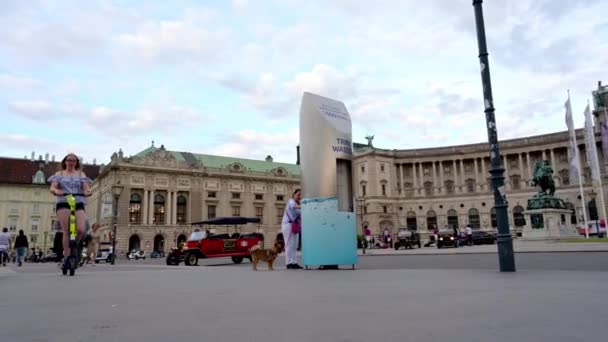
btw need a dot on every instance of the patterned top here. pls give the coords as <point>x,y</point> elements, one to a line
<point>291,212</point>
<point>70,185</point>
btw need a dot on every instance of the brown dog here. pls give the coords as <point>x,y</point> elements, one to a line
<point>258,254</point>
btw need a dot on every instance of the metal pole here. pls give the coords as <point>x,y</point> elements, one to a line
<point>504,240</point>
<point>114,254</point>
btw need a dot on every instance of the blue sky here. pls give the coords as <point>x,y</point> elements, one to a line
<point>226,77</point>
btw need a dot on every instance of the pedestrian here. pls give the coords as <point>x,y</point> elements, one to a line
<point>368,236</point>
<point>469,235</point>
<point>291,226</point>
<point>93,246</point>
<point>5,244</point>
<point>58,242</point>
<point>21,245</point>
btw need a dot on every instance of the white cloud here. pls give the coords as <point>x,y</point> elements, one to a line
<point>240,4</point>
<point>33,109</point>
<point>174,40</point>
<point>11,82</point>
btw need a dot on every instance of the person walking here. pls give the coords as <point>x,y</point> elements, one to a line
<point>290,232</point>
<point>93,246</point>
<point>21,245</point>
<point>469,235</point>
<point>5,244</point>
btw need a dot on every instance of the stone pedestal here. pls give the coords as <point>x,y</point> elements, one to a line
<point>548,223</point>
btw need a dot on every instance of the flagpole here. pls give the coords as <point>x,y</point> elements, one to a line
<point>577,155</point>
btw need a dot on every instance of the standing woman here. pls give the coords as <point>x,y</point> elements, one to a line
<point>70,180</point>
<point>292,214</point>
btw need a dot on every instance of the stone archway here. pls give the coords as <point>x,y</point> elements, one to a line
<point>134,243</point>
<point>181,238</point>
<point>159,243</point>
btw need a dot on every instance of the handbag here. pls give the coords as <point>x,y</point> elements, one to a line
<point>296,226</point>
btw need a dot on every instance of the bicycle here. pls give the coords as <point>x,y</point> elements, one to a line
<point>71,262</point>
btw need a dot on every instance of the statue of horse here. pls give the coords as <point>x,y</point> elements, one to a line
<point>543,177</point>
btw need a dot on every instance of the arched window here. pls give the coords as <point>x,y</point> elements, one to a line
<point>428,188</point>
<point>431,220</point>
<point>411,222</point>
<point>474,218</point>
<point>493,217</point>
<point>570,207</point>
<point>383,188</point>
<point>135,209</point>
<point>470,185</point>
<point>452,219</point>
<point>159,209</point>
<point>518,216</point>
<point>182,205</point>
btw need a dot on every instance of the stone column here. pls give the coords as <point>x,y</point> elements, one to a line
<point>174,209</point>
<point>455,174</point>
<point>421,180</point>
<point>529,168</point>
<point>441,178</point>
<point>435,187</point>
<point>415,184</point>
<point>462,183</point>
<point>485,174</point>
<point>151,208</point>
<point>402,172</point>
<point>552,156</point>
<point>521,166</point>
<point>168,208</point>
<point>544,156</point>
<point>476,173</point>
<point>144,218</point>
<point>505,165</point>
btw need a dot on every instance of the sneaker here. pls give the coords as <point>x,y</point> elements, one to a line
<point>296,267</point>
<point>290,266</point>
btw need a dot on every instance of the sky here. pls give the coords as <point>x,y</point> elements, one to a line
<point>227,77</point>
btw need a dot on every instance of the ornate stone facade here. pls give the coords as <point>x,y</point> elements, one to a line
<point>164,191</point>
<point>441,187</point>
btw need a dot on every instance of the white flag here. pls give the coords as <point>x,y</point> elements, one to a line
<point>590,146</point>
<point>574,162</point>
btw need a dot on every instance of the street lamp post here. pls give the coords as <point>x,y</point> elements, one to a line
<point>361,205</point>
<point>504,240</point>
<point>592,195</point>
<point>116,191</point>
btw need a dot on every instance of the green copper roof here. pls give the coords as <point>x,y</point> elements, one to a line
<point>222,162</point>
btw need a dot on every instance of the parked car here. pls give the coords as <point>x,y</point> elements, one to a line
<point>135,254</point>
<point>157,254</point>
<point>447,239</point>
<point>225,241</point>
<point>105,252</point>
<point>483,238</point>
<point>407,239</point>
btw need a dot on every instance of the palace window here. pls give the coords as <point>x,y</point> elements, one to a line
<point>259,197</point>
<point>280,198</point>
<point>474,218</point>
<point>135,209</point>
<point>279,214</point>
<point>159,209</point>
<point>211,194</point>
<point>259,213</point>
<point>236,195</point>
<point>210,211</point>
<point>449,186</point>
<point>182,205</point>
<point>516,182</point>
<point>236,211</point>
<point>518,216</point>
<point>35,224</point>
<point>565,176</point>
<point>470,185</point>
<point>428,188</point>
